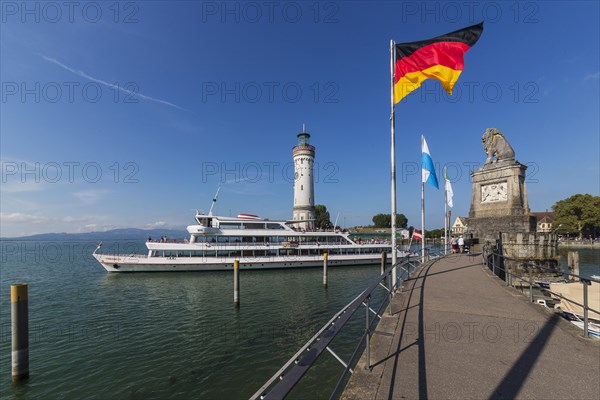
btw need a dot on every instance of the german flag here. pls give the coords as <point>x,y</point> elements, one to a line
<point>439,58</point>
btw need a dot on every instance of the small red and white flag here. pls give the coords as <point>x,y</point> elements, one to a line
<point>417,234</point>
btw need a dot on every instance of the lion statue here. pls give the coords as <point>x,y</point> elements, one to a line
<point>496,145</point>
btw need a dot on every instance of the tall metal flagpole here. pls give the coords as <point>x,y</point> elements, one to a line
<point>422,219</point>
<point>445,215</point>
<point>393,160</point>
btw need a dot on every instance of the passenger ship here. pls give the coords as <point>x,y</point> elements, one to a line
<point>215,242</point>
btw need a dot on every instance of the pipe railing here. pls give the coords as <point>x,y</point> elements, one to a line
<point>585,281</point>
<point>290,374</point>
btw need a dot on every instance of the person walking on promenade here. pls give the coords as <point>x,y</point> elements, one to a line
<point>461,244</point>
<point>454,242</point>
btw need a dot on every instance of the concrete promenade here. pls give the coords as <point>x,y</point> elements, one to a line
<point>459,333</point>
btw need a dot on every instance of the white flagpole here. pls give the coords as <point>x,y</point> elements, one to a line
<point>445,215</point>
<point>422,219</point>
<point>393,160</point>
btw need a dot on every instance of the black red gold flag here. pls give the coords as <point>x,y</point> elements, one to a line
<point>440,58</point>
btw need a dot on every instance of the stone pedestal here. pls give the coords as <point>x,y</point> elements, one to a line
<point>499,216</point>
<point>499,201</point>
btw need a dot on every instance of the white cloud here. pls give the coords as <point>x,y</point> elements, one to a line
<point>110,85</point>
<point>97,228</point>
<point>90,196</point>
<point>590,76</point>
<point>20,217</point>
<point>157,224</point>
<point>69,218</point>
<point>19,187</point>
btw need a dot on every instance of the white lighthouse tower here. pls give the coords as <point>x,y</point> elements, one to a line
<point>304,187</point>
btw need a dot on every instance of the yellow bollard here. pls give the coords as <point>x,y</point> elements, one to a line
<point>236,282</point>
<point>324,269</point>
<point>20,332</point>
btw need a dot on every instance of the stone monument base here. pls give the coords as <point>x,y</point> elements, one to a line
<point>486,229</point>
<point>519,251</point>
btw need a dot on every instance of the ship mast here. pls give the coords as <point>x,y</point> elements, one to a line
<point>214,201</point>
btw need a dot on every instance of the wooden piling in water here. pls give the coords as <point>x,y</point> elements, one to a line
<point>383,261</point>
<point>20,332</point>
<point>236,282</point>
<point>325,269</point>
<point>573,264</point>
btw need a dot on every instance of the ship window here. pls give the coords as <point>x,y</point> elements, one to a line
<point>230,225</point>
<point>254,225</point>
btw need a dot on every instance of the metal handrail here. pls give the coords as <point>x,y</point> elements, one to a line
<point>284,380</point>
<point>585,281</point>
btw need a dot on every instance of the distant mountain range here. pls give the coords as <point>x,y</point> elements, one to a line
<point>114,234</point>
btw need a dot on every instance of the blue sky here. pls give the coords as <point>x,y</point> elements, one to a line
<point>131,114</point>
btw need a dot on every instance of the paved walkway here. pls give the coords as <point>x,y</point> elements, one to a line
<point>459,333</point>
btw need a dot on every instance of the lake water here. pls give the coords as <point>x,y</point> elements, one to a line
<point>589,260</point>
<point>95,335</point>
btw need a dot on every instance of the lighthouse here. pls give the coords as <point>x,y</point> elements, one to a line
<point>304,187</point>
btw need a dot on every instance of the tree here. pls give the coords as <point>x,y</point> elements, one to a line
<point>385,221</point>
<point>322,218</point>
<point>382,220</point>
<point>434,233</point>
<point>401,221</point>
<point>579,213</point>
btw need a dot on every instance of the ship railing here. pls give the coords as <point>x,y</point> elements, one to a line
<point>294,244</point>
<point>494,260</point>
<point>168,241</point>
<point>132,255</point>
<point>374,302</point>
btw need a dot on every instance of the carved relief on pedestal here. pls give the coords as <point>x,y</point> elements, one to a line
<point>494,193</point>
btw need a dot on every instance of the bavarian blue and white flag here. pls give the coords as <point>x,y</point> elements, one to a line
<point>427,169</point>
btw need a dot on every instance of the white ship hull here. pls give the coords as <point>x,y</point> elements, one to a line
<point>141,263</point>
<point>216,242</point>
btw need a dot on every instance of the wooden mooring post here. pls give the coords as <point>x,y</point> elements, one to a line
<point>383,261</point>
<point>325,256</point>
<point>236,283</point>
<point>573,264</point>
<point>20,331</point>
